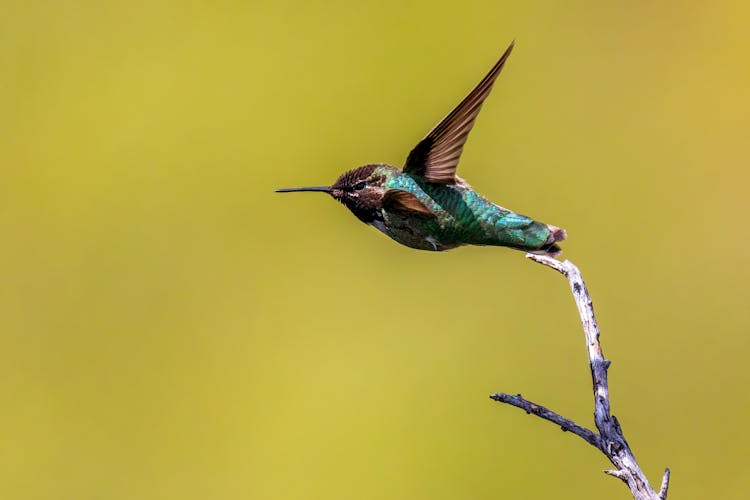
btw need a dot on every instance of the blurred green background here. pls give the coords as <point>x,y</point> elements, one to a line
<point>172,328</point>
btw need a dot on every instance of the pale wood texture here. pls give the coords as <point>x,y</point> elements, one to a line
<point>610,439</point>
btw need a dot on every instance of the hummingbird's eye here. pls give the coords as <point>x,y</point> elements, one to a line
<point>360,186</point>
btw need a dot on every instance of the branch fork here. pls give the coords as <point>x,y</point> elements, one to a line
<point>610,439</point>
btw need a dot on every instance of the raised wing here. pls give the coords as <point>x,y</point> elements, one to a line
<point>436,157</point>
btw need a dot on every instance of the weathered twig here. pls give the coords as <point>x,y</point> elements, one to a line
<point>610,439</point>
<point>540,411</point>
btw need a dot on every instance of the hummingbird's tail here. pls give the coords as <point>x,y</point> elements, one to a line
<point>550,248</point>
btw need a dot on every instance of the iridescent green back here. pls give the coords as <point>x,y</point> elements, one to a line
<point>465,217</point>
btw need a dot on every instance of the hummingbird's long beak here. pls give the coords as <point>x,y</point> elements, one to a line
<point>324,189</point>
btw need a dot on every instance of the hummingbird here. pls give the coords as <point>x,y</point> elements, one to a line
<point>426,205</point>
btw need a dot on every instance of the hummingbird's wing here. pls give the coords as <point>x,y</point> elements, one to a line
<point>436,157</point>
<point>405,204</point>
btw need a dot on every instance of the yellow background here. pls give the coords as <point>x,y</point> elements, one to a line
<point>172,328</point>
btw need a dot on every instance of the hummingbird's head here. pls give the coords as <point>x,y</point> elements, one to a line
<point>360,189</point>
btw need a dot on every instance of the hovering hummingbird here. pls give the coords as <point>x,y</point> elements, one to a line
<point>426,205</point>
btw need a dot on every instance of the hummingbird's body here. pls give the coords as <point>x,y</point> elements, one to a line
<point>426,205</point>
<point>462,217</point>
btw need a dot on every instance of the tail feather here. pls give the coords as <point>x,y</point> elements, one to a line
<point>550,248</point>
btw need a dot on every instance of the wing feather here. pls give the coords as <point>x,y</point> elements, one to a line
<point>436,156</point>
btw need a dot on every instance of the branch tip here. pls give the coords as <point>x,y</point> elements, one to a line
<point>664,484</point>
<point>561,267</point>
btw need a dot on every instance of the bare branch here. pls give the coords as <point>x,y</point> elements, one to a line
<point>540,411</point>
<point>664,484</point>
<point>610,439</point>
<point>619,474</point>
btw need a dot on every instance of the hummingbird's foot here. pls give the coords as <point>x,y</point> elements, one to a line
<point>548,250</point>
